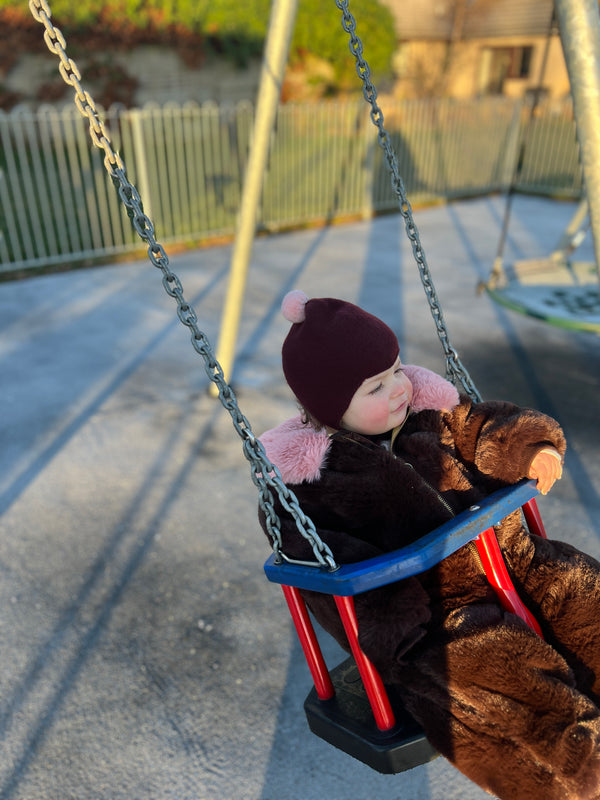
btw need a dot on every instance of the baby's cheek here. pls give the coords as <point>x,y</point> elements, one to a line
<point>377,414</point>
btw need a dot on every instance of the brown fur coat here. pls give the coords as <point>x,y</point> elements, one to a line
<point>515,713</point>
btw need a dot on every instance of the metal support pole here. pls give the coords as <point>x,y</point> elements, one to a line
<point>573,234</point>
<point>579,23</point>
<point>281,26</point>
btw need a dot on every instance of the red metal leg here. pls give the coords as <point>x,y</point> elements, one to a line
<point>497,574</point>
<point>310,645</point>
<point>380,704</point>
<point>533,518</point>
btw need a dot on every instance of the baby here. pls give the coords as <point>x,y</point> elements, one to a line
<point>382,454</point>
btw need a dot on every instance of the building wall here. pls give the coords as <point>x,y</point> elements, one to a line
<point>441,19</point>
<point>459,48</point>
<point>158,73</point>
<point>465,69</point>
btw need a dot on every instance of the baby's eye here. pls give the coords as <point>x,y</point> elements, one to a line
<point>376,389</point>
<point>397,371</point>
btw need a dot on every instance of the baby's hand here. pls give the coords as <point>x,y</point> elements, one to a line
<point>546,468</point>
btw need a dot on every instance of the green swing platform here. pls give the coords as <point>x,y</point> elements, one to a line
<point>562,293</point>
<point>556,289</point>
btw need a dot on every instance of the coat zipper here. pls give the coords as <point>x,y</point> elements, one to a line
<point>475,553</point>
<point>471,545</point>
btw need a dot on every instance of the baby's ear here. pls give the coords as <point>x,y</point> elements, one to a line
<point>430,391</point>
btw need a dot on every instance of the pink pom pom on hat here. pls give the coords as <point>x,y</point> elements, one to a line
<point>331,348</point>
<point>293,306</point>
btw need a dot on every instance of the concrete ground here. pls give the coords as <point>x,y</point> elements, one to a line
<point>143,654</point>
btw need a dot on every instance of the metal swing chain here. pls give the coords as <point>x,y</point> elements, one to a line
<point>455,370</point>
<point>265,475</point>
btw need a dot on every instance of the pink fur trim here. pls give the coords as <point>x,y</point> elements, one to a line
<point>300,452</point>
<point>430,391</point>
<point>297,450</point>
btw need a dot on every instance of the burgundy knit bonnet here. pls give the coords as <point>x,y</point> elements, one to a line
<point>331,348</point>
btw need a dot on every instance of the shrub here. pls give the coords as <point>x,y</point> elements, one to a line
<point>228,27</point>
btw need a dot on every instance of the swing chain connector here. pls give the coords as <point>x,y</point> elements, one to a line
<point>455,370</point>
<point>264,474</point>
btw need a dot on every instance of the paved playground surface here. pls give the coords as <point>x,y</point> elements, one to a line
<point>143,654</point>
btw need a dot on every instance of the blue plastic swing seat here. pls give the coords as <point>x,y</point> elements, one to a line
<point>426,552</point>
<point>344,710</point>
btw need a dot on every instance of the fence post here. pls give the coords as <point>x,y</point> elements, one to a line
<point>370,146</point>
<point>140,160</point>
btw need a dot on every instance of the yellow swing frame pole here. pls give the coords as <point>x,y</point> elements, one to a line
<point>579,23</point>
<point>281,26</point>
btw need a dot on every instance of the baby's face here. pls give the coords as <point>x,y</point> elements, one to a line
<point>380,403</point>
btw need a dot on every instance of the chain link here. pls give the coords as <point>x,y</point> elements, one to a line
<point>55,42</point>
<point>455,370</point>
<point>265,475</point>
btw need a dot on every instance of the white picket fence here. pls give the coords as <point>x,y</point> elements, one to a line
<point>57,203</point>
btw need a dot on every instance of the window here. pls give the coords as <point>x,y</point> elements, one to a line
<point>501,63</point>
<point>519,61</point>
